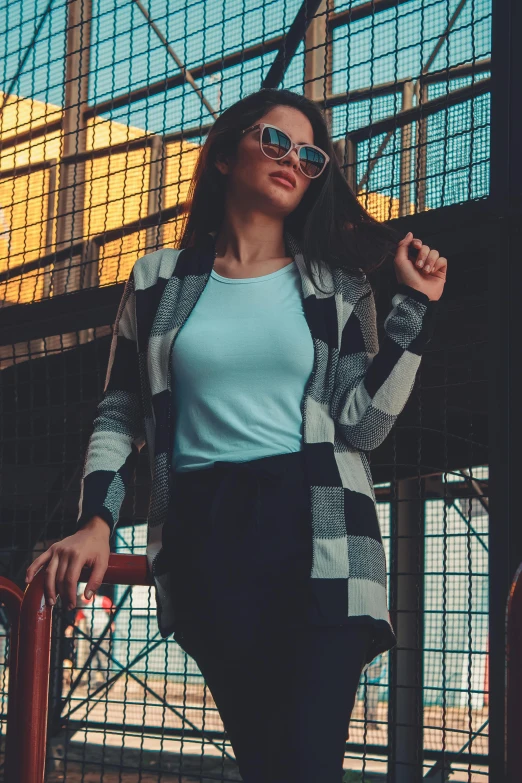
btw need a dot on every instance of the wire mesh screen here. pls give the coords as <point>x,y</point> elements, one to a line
<point>104,108</point>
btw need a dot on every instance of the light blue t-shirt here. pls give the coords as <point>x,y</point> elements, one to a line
<point>240,365</point>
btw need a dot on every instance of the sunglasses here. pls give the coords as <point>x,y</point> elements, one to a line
<point>276,144</point>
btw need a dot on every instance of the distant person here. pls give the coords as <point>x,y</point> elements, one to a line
<point>92,619</point>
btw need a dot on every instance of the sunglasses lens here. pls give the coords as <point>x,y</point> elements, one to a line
<point>312,161</point>
<point>275,143</point>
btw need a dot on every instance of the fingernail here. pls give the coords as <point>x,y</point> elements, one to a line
<point>88,593</point>
<point>51,601</point>
<point>428,269</point>
<point>420,263</point>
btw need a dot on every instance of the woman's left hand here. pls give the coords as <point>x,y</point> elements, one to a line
<point>426,271</point>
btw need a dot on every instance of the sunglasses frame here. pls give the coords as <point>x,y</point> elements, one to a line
<point>293,146</point>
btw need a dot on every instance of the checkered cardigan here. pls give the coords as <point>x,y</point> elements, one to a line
<point>354,394</point>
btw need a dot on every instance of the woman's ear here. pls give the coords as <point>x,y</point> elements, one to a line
<point>221,163</point>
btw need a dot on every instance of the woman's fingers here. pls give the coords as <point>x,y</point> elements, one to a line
<point>69,590</point>
<point>434,263</point>
<point>98,572</point>
<point>64,562</point>
<point>423,254</point>
<point>431,259</point>
<point>427,261</point>
<point>61,573</point>
<point>50,580</point>
<point>440,265</point>
<point>37,564</point>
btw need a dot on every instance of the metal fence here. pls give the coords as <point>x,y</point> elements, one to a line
<point>104,107</point>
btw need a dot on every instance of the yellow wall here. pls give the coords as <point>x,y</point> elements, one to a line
<point>116,193</point>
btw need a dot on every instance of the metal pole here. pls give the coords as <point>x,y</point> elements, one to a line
<point>505,335</point>
<point>33,680</point>
<point>346,151</point>
<point>71,196</point>
<point>34,659</point>
<point>405,204</point>
<point>49,224</point>
<point>405,725</point>
<point>157,168</point>
<point>421,142</point>
<point>11,596</point>
<point>318,58</point>
<point>514,680</point>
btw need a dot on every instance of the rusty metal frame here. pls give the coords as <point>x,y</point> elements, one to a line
<point>11,596</point>
<point>34,659</point>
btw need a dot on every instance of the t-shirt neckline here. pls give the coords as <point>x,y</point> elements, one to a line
<point>258,279</point>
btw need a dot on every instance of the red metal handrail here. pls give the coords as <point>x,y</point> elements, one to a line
<point>513,728</point>
<point>11,596</point>
<point>35,653</point>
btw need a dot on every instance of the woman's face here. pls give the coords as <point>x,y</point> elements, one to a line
<point>250,181</point>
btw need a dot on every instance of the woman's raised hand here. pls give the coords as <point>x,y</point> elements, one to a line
<point>426,271</point>
<point>64,561</point>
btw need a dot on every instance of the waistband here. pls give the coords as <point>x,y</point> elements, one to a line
<point>272,465</point>
<point>259,471</point>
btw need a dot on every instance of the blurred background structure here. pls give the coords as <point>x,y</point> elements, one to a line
<point>103,110</point>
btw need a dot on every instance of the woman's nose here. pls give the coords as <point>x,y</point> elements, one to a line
<point>292,157</point>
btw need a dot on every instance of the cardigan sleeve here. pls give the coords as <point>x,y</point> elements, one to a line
<point>117,435</point>
<point>373,382</point>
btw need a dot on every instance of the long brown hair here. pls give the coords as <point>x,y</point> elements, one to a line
<point>329,223</point>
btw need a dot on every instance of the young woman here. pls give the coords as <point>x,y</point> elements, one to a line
<point>247,360</point>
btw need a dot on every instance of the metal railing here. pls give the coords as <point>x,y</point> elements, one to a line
<point>34,659</point>
<point>11,596</point>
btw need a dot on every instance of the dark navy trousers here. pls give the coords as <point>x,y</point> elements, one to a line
<point>239,540</point>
